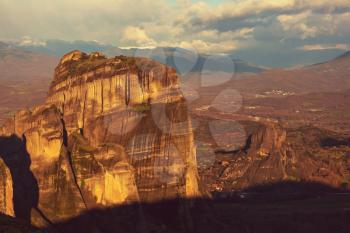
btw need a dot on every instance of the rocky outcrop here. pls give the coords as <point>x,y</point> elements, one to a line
<point>264,160</point>
<point>111,131</point>
<point>269,157</point>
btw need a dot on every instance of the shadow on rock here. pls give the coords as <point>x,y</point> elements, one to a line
<point>25,186</point>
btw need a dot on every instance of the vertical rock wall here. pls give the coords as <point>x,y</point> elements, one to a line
<point>111,131</point>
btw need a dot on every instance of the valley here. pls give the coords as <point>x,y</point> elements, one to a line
<point>122,130</point>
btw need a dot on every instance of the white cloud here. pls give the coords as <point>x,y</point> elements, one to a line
<point>28,41</point>
<point>215,35</point>
<point>207,47</point>
<point>298,24</point>
<point>137,36</point>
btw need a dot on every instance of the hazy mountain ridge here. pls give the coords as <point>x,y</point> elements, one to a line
<point>264,57</point>
<point>345,55</point>
<point>24,78</point>
<point>166,55</point>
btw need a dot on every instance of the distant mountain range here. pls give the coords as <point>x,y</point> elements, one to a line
<point>338,64</point>
<point>34,65</point>
<point>281,57</point>
<point>19,64</point>
<point>7,51</point>
<point>40,60</point>
<point>24,78</point>
<point>272,57</point>
<point>345,55</point>
<point>182,60</point>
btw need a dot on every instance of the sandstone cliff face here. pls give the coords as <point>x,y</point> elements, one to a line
<point>111,131</point>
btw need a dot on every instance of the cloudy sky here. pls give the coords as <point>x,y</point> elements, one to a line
<point>211,26</point>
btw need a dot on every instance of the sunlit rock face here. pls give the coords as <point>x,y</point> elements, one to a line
<point>111,131</point>
<point>6,190</point>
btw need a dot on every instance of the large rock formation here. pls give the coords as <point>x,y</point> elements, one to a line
<point>270,156</point>
<point>111,131</point>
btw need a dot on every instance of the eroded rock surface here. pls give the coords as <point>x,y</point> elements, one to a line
<point>270,157</point>
<point>111,131</point>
